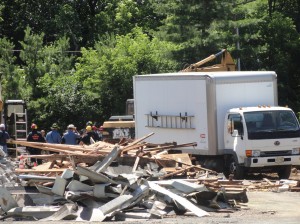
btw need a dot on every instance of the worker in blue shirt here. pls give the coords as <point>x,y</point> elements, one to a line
<point>71,137</point>
<point>53,136</point>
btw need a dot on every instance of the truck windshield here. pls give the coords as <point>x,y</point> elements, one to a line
<point>271,124</point>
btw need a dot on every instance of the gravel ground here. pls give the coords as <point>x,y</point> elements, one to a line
<point>263,207</point>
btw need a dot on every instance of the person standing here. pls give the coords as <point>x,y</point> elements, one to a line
<point>43,133</point>
<point>100,130</point>
<point>34,136</point>
<point>71,137</point>
<point>4,136</point>
<point>95,132</point>
<point>53,136</point>
<point>87,138</point>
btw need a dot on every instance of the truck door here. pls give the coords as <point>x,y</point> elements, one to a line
<point>234,136</point>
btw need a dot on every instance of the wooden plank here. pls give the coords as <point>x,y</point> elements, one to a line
<point>40,171</point>
<point>61,156</point>
<point>295,189</point>
<point>268,181</point>
<point>176,172</point>
<point>229,182</point>
<point>183,158</point>
<point>131,145</point>
<point>169,146</point>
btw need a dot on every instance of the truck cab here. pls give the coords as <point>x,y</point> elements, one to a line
<point>261,138</point>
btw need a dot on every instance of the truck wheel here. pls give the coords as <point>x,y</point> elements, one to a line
<point>284,172</point>
<point>235,169</point>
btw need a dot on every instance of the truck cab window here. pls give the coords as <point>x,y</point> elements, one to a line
<point>272,124</point>
<point>267,122</point>
<point>286,120</point>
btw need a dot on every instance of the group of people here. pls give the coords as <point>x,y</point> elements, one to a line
<point>90,135</point>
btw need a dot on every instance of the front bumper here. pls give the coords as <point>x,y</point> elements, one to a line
<point>272,161</point>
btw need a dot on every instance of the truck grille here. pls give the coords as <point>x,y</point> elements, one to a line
<point>276,153</point>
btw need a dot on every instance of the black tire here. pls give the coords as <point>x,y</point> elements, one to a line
<point>284,172</point>
<point>235,169</point>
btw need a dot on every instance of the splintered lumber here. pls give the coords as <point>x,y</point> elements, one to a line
<point>177,172</point>
<point>133,144</point>
<point>78,158</point>
<point>182,158</point>
<point>295,189</point>
<point>169,146</point>
<point>269,182</point>
<point>44,168</point>
<point>60,156</point>
<point>100,148</point>
<point>54,170</point>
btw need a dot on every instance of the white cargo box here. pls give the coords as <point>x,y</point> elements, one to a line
<point>191,107</point>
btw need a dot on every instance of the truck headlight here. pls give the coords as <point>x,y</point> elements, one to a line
<point>295,151</point>
<point>252,153</point>
<point>255,153</point>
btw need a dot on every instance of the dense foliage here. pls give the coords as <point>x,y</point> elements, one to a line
<point>73,61</point>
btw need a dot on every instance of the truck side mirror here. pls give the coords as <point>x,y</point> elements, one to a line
<point>235,125</point>
<point>235,133</point>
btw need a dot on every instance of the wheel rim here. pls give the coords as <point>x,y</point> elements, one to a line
<point>232,167</point>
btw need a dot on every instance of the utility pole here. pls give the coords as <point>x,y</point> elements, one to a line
<point>237,32</point>
<point>238,48</point>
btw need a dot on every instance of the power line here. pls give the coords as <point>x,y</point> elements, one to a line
<point>56,51</point>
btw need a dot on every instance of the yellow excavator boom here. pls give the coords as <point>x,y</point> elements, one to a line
<point>227,63</point>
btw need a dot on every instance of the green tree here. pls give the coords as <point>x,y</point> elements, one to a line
<point>32,56</point>
<point>188,23</point>
<point>289,8</point>
<point>8,76</point>
<point>106,72</point>
<point>81,21</point>
<point>282,42</point>
<point>43,74</point>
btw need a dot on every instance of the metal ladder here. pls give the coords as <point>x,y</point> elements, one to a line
<point>21,131</point>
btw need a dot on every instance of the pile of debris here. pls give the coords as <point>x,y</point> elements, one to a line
<point>125,182</point>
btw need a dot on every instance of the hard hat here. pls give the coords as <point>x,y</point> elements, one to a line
<point>88,128</point>
<point>2,126</point>
<point>89,123</point>
<point>33,126</point>
<point>71,126</point>
<point>94,128</point>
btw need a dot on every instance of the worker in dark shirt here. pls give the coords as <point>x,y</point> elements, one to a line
<point>96,136</point>
<point>35,136</point>
<point>87,138</point>
<point>4,136</point>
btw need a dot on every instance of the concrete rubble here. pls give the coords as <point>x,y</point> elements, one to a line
<point>124,183</point>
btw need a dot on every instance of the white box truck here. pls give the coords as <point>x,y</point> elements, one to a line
<point>233,117</point>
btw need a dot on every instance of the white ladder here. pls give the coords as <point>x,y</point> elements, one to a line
<point>20,130</point>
